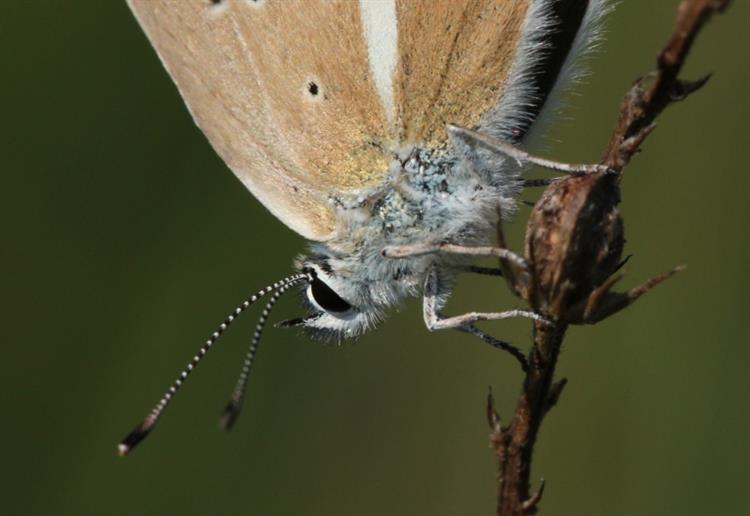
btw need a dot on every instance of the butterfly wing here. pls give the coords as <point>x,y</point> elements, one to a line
<point>455,58</point>
<point>484,64</point>
<point>301,97</point>
<point>284,93</point>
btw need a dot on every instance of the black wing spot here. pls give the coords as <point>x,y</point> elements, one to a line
<point>313,89</point>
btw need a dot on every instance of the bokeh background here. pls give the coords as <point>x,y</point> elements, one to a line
<point>125,240</point>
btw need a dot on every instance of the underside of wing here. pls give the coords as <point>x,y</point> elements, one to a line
<point>284,92</point>
<point>309,99</point>
<point>483,64</point>
<point>454,60</point>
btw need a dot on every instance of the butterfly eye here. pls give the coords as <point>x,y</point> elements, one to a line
<point>326,298</point>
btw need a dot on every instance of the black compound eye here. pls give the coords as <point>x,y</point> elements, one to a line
<point>326,298</point>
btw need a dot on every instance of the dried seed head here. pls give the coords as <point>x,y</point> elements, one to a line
<point>574,241</point>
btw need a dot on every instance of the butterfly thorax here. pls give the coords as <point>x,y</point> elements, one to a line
<point>428,196</point>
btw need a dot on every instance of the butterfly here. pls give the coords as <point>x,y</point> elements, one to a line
<point>371,129</point>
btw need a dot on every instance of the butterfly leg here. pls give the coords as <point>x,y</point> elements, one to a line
<point>530,183</point>
<point>411,250</point>
<point>472,139</point>
<point>485,271</point>
<point>498,344</point>
<point>433,299</point>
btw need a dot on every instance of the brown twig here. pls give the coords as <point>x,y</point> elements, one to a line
<point>642,105</point>
<point>574,242</point>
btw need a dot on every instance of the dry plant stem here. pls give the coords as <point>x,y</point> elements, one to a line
<point>568,302</point>
<point>517,441</point>
<point>642,105</point>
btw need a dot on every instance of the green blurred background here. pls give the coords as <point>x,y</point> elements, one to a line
<point>126,240</point>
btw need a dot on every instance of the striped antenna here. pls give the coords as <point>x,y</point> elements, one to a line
<point>143,429</point>
<point>234,406</point>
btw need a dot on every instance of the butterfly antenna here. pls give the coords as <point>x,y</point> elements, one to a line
<point>234,406</point>
<point>143,429</point>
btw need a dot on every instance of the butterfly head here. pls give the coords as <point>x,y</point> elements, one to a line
<point>340,306</point>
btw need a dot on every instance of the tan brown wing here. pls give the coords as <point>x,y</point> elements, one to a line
<point>305,99</point>
<point>455,58</point>
<point>283,91</point>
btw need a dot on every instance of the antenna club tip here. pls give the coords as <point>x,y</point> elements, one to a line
<point>229,417</point>
<point>133,438</point>
<point>122,449</point>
